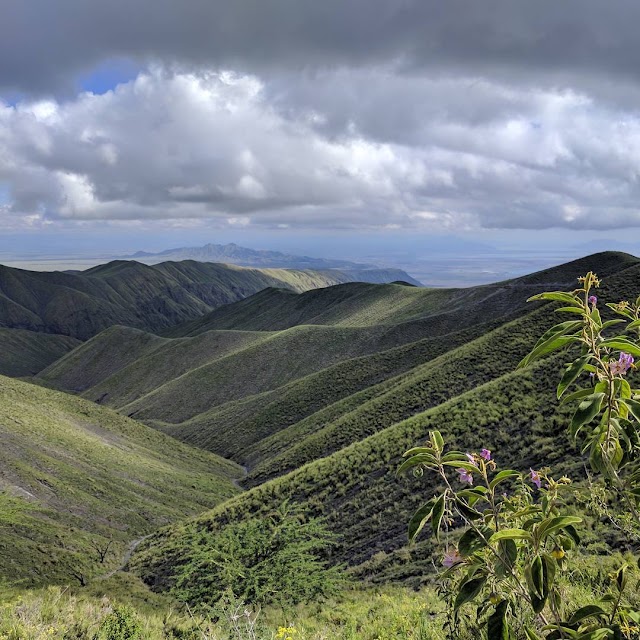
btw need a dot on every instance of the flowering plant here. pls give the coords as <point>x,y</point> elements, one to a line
<point>513,546</point>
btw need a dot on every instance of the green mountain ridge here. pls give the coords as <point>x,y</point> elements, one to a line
<point>81,304</point>
<point>343,466</point>
<point>319,394</point>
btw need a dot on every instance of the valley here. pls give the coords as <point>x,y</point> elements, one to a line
<point>181,422</point>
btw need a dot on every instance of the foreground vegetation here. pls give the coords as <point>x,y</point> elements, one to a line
<point>373,613</point>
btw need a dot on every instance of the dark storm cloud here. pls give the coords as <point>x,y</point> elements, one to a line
<point>44,44</point>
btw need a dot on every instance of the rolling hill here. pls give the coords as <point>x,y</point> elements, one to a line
<point>152,298</point>
<point>340,456</point>
<point>75,476</point>
<point>319,393</point>
<point>25,353</point>
<point>282,378</point>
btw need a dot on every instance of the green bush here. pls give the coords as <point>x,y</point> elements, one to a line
<point>275,559</point>
<point>121,624</point>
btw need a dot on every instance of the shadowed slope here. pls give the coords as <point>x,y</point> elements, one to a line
<point>24,353</point>
<point>359,305</point>
<point>81,304</point>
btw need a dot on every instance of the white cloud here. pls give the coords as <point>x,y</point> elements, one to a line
<point>368,148</point>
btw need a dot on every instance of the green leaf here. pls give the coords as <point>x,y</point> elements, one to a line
<point>571,530</point>
<point>588,409</point>
<point>577,395</point>
<point>560,329</point>
<point>468,591</point>
<point>562,296</point>
<point>595,316</point>
<point>511,534</point>
<point>417,450</point>
<point>497,625</point>
<point>610,323</point>
<point>625,388</point>
<point>633,325</point>
<point>552,525</point>
<point>570,310</point>
<point>634,407</point>
<point>590,611</point>
<point>531,634</point>
<point>415,461</point>
<point>503,475</point>
<point>622,344</point>
<point>507,556</point>
<point>436,518</point>
<point>553,344</point>
<point>461,463</point>
<point>438,441</point>
<point>537,577</point>
<point>419,519</point>
<point>466,510</point>
<point>472,541</point>
<point>455,455</point>
<point>571,373</point>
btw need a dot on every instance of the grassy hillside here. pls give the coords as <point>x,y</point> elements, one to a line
<point>24,353</point>
<point>262,426</point>
<point>361,305</point>
<point>357,490</point>
<point>272,399</point>
<point>75,474</point>
<point>342,465</point>
<point>81,304</point>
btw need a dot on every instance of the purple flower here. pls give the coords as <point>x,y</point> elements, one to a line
<point>485,454</point>
<point>620,366</point>
<point>593,301</point>
<point>450,558</point>
<point>535,478</point>
<point>471,459</point>
<point>465,476</point>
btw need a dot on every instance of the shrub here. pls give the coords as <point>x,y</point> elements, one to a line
<point>276,559</point>
<point>121,624</point>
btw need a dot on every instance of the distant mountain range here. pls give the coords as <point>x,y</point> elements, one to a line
<point>234,254</point>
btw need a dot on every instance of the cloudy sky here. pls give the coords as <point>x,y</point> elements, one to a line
<point>232,119</point>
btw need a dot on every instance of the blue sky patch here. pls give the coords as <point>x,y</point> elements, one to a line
<point>108,75</point>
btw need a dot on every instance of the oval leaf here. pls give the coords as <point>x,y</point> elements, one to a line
<point>511,534</point>
<point>571,373</point>
<point>468,591</point>
<point>420,518</point>
<point>436,518</point>
<point>588,409</point>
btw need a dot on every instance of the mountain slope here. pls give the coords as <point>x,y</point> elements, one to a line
<point>81,304</point>
<point>24,353</point>
<point>345,471</point>
<point>73,474</point>
<point>301,392</point>
<point>356,488</point>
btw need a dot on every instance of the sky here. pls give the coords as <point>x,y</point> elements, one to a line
<point>298,124</point>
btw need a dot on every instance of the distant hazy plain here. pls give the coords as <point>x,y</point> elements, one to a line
<point>441,270</point>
